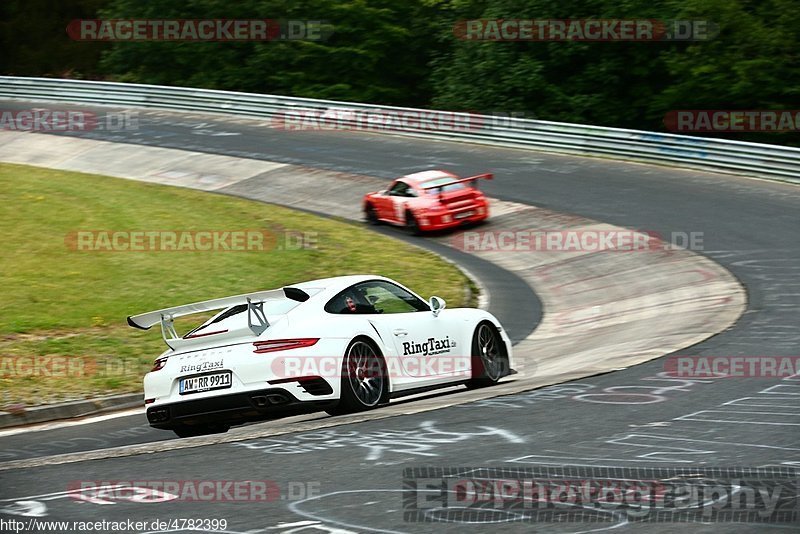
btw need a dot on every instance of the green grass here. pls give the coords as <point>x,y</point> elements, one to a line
<point>60,301</point>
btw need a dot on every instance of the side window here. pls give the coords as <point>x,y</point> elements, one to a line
<point>347,302</point>
<point>389,298</point>
<point>400,189</point>
<point>376,296</point>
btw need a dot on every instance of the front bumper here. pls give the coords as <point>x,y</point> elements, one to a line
<point>231,409</point>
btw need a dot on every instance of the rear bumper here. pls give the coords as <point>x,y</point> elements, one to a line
<point>232,409</point>
<point>435,223</point>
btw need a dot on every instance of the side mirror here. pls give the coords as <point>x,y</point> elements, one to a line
<point>437,304</point>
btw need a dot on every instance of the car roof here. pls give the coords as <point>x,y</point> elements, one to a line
<point>337,283</point>
<point>418,178</point>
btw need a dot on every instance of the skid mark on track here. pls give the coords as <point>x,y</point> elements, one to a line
<point>422,441</point>
<point>690,439</point>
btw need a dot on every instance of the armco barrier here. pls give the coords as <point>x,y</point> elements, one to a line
<point>769,161</point>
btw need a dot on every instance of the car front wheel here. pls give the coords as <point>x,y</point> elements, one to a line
<point>489,357</point>
<point>371,215</point>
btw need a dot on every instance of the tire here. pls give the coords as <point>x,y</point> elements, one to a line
<point>365,384</point>
<point>190,431</point>
<point>411,224</point>
<point>489,356</point>
<point>371,215</point>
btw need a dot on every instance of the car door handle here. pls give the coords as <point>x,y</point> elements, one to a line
<point>400,332</point>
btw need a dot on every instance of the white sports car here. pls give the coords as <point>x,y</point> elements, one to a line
<point>344,344</point>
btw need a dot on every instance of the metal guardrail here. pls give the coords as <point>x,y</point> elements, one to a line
<point>770,161</point>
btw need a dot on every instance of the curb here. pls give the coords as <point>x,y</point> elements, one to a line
<point>68,410</point>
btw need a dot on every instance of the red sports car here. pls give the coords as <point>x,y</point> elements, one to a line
<point>428,200</point>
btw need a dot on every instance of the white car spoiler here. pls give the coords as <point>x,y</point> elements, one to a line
<point>485,176</point>
<point>256,319</point>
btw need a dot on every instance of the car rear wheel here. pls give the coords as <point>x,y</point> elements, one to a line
<point>412,227</point>
<point>489,357</point>
<point>365,384</point>
<point>371,215</point>
<point>189,431</point>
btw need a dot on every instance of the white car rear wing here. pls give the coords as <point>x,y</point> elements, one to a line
<point>485,176</point>
<point>256,318</point>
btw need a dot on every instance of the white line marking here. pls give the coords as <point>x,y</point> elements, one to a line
<point>689,417</point>
<point>560,460</point>
<point>764,402</point>
<point>771,390</point>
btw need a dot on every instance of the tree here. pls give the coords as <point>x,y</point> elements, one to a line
<point>378,50</point>
<point>34,41</point>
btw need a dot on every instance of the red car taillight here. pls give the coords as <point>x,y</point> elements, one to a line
<point>159,364</point>
<point>283,344</point>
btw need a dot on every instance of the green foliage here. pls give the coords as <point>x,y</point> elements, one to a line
<point>34,42</point>
<point>378,51</point>
<point>751,64</point>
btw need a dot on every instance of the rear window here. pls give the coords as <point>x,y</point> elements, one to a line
<point>237,314</point>
<point>444,180</point>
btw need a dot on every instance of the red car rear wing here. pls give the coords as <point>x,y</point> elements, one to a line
<point>485,176</point>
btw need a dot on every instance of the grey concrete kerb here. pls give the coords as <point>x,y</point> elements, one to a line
<point>68,410</point>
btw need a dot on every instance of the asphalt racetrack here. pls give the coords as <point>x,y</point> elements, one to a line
<point>351,477</point>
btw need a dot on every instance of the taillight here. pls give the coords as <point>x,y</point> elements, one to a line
<point>283,344</point>
<point>159,364</point>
